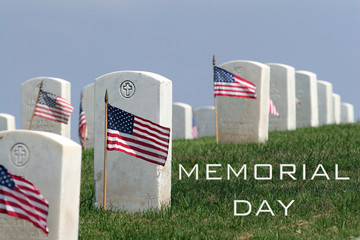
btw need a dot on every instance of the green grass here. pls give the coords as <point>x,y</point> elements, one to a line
<point>203,209</point>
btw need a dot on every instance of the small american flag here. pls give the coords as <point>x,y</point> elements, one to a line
<point>194,128</point>
<point>83,132</point>
<point>272,109</point>
<point>231,85</point>
<point>137,136</point>
<point>297,100</point>
<point>52,107</point>
<point>20,198</point>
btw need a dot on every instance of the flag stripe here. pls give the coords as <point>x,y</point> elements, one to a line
<point>244,81</point>
<point>137,140</point>
<point>52,111</point>
<point>272,108</point>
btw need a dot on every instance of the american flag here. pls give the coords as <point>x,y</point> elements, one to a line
<point>297,100</point>
<point>83,132</point>
<point>272,109</point>
<point>20,198</point>
<point>231,85</point>
<point>52,107</point>
<point>194,128</point>
<point>137,136</point>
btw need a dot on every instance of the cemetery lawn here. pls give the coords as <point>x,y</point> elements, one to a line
<point>204,209</point>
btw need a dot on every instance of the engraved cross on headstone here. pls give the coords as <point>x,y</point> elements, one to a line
<point>128,88</point>
<point>20,153</point>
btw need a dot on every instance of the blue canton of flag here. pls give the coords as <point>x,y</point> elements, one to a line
<point>137,136</point>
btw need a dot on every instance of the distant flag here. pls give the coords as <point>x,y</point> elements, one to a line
<point>52,107</point>
<point>137,136</point>
<point>297,100</point>
<point>272,109</point>
<point>231,85</point>
<point>83,131</point>
<point>194,127</point>
<point>20,198</point>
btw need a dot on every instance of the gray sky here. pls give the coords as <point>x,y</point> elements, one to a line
<point>82,40</point>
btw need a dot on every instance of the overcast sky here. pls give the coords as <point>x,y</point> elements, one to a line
<point>81,40</point>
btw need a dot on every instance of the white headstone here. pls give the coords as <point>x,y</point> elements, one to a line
<point>29,93</point>
<point>336,108</point>
<point>307,112</point>
<point>88,105</point>
<point>244,120</point>
<point>205,121</point>
<point>53,164</point>
<point>347,113</point>
<point>181,121</point>
<point>282,93</point>
<point>325,102</point>
<point>7,122</point>
<point>132,183</point>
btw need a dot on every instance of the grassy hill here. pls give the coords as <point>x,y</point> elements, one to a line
<point>204,209</point>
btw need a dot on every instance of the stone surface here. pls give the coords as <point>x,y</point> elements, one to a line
<point>132,184</point>
<point>336,107</point>
<point>282,93</point>
<point>88,105</point>
<point>181,121</point>
<point>205,121</point>
<point>53,164</point>
<point>325,102</point>
<point>244,120</point>
<point>7,122</point>
<point>29,93</point>
<point>307,112</point>
<point>347,113</point>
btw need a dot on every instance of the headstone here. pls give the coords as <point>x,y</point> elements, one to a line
<point>7,122</point>
<point>181,121</point>
<point>347,113</point>
<point>282,93</point>
<point>245,120</point>
<point>88,105</point>
<point>29,93</point>
<point>132,183</point>
<point>336,108</point>
<point>307,113</point>
<point>53,164</point>
<point>205,121</point>
<point>325,102</point>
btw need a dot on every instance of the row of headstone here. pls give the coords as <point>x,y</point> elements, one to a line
<point>53,162</point>
<point>315,106</point>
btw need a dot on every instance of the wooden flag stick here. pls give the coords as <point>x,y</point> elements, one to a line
<point>37,99</point>
<point>84,127</point>
<point>216,120</point>
<point>105,148</point>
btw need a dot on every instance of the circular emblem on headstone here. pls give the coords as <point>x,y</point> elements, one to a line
<point>19,154</point>
<point>127,89</point>
<point>240,71</point>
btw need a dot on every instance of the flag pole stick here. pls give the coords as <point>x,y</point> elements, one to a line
<point>216,120</point>
<point>105,148</point>
<point>37,99</point>
<point>83,127</point>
